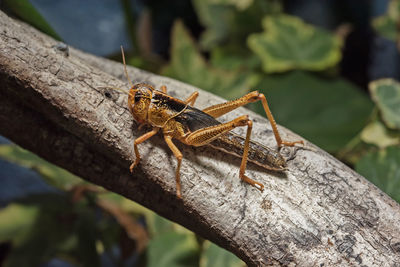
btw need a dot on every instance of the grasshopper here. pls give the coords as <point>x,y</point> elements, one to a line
<point>178,119</point>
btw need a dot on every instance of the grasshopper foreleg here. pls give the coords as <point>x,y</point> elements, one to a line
<point>138,141</point>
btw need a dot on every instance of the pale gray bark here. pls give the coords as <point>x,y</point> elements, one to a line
<point>321,213</point>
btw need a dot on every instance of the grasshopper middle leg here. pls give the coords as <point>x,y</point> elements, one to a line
<point>190,100</point>
<point>178,156</point>
<point>223,108</point>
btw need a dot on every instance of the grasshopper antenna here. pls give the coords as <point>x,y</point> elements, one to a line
<point>126,75</point>
<point>126,72</point>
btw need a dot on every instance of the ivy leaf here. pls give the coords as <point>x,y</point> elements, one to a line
<point>288,43</point>
<point>14,219</point>
<point>328,112</point>
<point>377,134</point>
<point>232,58</point>
<point>383,169</point>
<point>214,256</point>
<point>213,18</point>
<point>386,94</point>
<point>387,25</point>
<point>188,65</point>
<point>230,21</point>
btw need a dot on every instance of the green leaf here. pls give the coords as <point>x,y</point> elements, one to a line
<point>14,220</point>
<point>328,112</point>
<point>55,227</point>
<point>214,256</point>
<point>383,169</point>
<point>239,4</point>
<point>37,241</point>
<point>386,94</point>
<point>288,43</point>
<point>233,58</point>
<point>188,65</point>
<point>214,18</point>
<point>172,250</point>
<point>230,21</point>
<point>54,175</point>
<point>87,235</point>
<point>387,25</point>
<point>155,224</point>
<point>27,12</point>
<point>377,134</point>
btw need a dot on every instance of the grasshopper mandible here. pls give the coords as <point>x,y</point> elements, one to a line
<point>178,119</point>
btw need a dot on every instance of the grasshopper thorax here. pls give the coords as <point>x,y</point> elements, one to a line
<point>139,101</point>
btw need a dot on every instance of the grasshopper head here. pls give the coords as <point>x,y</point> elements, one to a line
<point>139,100</point>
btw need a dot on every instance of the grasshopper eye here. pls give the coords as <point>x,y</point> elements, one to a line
<point>138,96</point>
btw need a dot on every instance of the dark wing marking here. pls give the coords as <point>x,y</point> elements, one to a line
<point>195,119</point>
<point>171,103</point>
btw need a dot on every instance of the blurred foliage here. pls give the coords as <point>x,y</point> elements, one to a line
<point>182,250</point>
<point>383,169</point>
<point>52,226</point>
<point>377,134</point>
<point>188,65</point>
<point>27,12</point>
<point>213,256</point>
<point>329,112</point>
<point>245,44</point>
<point>53,175</point>
<point>388,25</point>
<point>288,43</point>
<point>386,94</point>
<point>230,21</point>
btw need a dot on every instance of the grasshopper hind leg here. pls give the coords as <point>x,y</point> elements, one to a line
<point>223,108</point>
<point>206,135</point>
<point>243,165</point>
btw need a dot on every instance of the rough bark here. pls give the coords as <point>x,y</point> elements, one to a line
<point>320,213</point>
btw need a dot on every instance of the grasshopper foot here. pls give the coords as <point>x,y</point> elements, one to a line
<point>286,143</point>
<point>250,181</point>
<point>258,185</point>
<point>133,165</point>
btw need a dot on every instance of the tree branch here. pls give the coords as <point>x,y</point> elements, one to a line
<point>320,212</point>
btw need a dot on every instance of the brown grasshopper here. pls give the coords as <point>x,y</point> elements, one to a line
<point>178,119</point>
